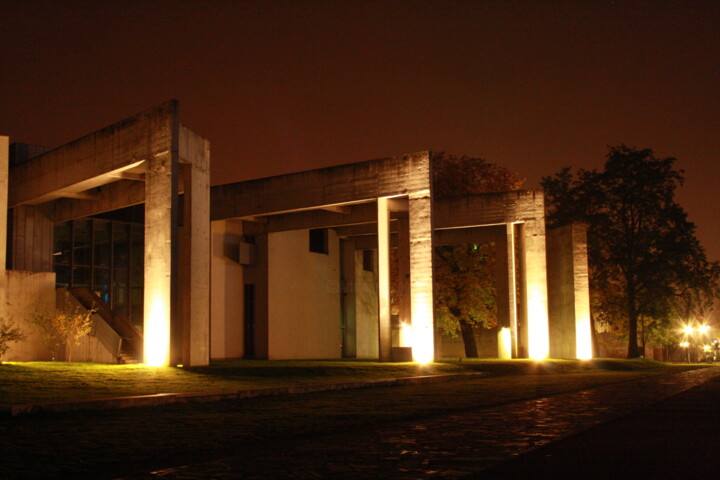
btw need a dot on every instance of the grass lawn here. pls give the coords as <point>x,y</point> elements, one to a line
<point>34,382</point>
<point>108,444</point>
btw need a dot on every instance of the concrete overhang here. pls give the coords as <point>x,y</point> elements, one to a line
<point>81,190</point>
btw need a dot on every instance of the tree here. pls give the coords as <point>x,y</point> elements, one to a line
<point>8,333</point>
<point>465,291</point>
<point>65,327</point>
<point>465,295</point>
<point>464,175</point>
<point>646,263</point>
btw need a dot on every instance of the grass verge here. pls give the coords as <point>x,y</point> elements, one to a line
<point>35,382</point>
<point>108,444</point>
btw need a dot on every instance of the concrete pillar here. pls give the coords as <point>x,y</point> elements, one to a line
<point>384,320</point>
<point>535,288</point>
<point>4,172</point>
<point>195,256</point>
<point>583,325</point>
<point>160,242</point>
<point>421,275</point>
<point>512,287</point>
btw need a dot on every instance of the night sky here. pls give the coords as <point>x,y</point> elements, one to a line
<point>284,86</point>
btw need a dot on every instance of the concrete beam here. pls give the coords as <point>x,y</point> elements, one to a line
<point>93,158</point>
<point>357,182</point>
<point>489,209</point>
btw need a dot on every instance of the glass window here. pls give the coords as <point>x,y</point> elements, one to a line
<point>101,284</point>
<point>81,277</point>
<point>101,243</point>
<point>121,245</point>
<point>62,243</point>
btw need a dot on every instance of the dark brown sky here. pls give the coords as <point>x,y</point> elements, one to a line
<point>285,86</point>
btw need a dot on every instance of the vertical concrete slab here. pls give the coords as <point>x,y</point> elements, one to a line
<point>533,264</point>
<point>195,249</point>
<point>421,259</point>
<point>31,245</point>
<point>384,320</point>
<point>160,234</point>
<point>583,324</point>
<point>568,286</point>
<point>160,294</point>
<point>512,287</point>
<point>4,161</point>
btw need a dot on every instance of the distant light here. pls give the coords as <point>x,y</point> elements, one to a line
<point>688,330</point>
<point>685,344</point>
<point>703,329</point>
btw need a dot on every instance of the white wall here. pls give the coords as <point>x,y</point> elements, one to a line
<point>366,309</point>
<point>304,301</point>
<point>226,291</point>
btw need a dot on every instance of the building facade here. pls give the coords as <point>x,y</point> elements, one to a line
<point>330,263</point>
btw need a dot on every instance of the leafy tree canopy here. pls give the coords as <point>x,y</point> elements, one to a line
<point>646,264</point>
<point>465,293</point>
<point>464,175</point>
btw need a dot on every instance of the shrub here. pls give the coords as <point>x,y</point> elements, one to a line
<point>8,333</point>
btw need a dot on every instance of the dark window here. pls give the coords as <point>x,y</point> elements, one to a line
<point>319,240</point>
<point>368,261</point>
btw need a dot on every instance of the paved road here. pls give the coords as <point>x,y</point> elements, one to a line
<point>587,434</point>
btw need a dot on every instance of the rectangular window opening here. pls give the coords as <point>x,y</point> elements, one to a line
<point>319,240</point>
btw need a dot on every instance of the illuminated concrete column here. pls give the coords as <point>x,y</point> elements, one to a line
<point>195,251</point>
<point>421,275</point>
<point>384,321</point>
<point>160,241</point>
<point>583,326</point>
<point>4,160</point>
<point>512,288</point>
<point>535,288</point>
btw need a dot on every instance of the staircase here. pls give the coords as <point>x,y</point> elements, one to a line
<point>130,339</point>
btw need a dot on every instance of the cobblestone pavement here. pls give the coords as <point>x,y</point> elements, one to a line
<point>448,446</point>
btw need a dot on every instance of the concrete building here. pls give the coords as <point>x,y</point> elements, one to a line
<point>329,263</point>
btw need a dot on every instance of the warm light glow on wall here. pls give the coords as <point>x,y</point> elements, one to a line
<point>583,338</point>
<point>157,332</point>
<point>405,335</point>
<point>538,336</point>
<point>504,344</point>
<point>423,348</point>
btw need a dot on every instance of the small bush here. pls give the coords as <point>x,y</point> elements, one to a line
<point>64,328</point>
